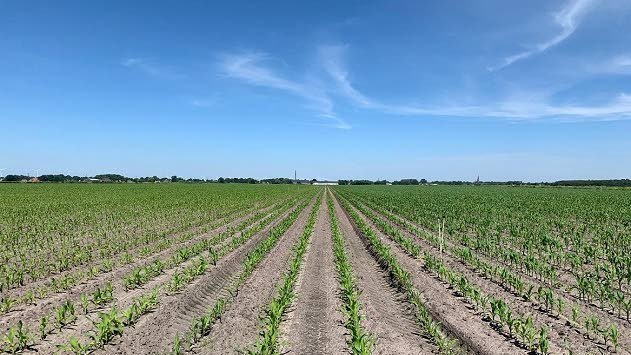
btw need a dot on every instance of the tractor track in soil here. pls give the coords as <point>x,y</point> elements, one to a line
<point>154,333</point>
<point>314,323</point>
<point>560,332</point>
<point>240,325</point>
<point>214,275</point>
<point>454,316</point>
<point>30,314</point>
<point>387,315</point>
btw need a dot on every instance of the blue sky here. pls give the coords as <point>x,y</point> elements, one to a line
<point>525,90</point>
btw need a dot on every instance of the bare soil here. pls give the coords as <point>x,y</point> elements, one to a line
<point>314,323</point>
<point>561,334</point>
<point>240,326</point>
<point>215,277</point>
<point>31,314</point>
<point>155,332</point>
<point>387,316</point>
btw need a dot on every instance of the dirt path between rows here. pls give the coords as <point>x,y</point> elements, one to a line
<point>155,332</point>
<point>240,325</point>
<point>33,313</point>
<point>568,297</point>
<point>124,298</point>
<point>561,333</point>
<point>455,316</point>
<point>228,219</point>
<point>314,324</point>
<point>387,316</point>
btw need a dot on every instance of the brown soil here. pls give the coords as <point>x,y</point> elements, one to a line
<point>314,324</point>
<point>31,314</point>
<point>607,315</point>
<point>240,325</point>
<point>215,278</point>
<point>561,333</point>
<point>234,217</point>
<point>155,332</point>
<point>387,316</point>
<point>455,316</point>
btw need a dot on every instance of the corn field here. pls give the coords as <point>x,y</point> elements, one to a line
<point>276,269</point>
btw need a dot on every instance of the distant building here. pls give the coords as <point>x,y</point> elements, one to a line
<point>34,180</point>
<point>329,183</point>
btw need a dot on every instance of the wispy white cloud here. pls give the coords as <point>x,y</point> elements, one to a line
<point>568,19</point>
<point>332,59</point>
<point>618,65</point>
<point>520,107</point>
<point>151,68</point>
<point>250,68</point>
<point>337,88</point>
<point>202,102</point>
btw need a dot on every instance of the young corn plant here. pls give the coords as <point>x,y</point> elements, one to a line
<point>6,304</point>
<point>400,278</point>
<point>85,303</point>
<point>360,342</point>
<point>74,346</point>
<point>176,349</point>
<point>544,343</point>
<point>105,328</point>
<point>141,305</point>
<point>213,255</point>
<point>103,295</point>
<point>43,324</point>
<point>65,314</point>
<point>17,339</point>
<point>613,335</point>
<point>267,344</point>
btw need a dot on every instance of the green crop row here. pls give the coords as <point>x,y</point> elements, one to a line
<point>402,280</point>
<point>545,297</point>
<point>202,325</point>
<point>360,342</point>
<point>267,343</point>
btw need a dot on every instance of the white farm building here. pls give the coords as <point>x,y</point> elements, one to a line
<point>325,183</point>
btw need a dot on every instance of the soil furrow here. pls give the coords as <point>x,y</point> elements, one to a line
<point>314,324</point>
<point>125,297</point>
<point>156,331</point>
<point>221,222</point>
<point>32,313</point>
<point>387,316</point>
<point>455,316</point>
<point>569,298</point>
<point>561,332</point>
<point>241,323</point>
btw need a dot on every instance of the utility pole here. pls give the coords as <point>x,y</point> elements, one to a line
<point>295,176</point>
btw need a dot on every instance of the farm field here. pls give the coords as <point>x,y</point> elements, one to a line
<point>294,269</point>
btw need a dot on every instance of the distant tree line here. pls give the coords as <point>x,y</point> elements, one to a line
<point>117,178</point>
<point>362,182</point>
<point>382,182</point>
<point>277,181</point>
<point>577,183</point>
<point>615,183</point>
<point>13,178</point>
<point>222,180</point>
